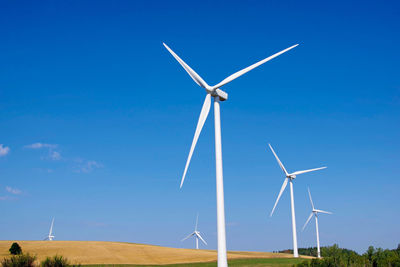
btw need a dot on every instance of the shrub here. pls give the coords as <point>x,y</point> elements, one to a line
<point>15,249</point>
<point>56,261</point>
<point>23,260</point>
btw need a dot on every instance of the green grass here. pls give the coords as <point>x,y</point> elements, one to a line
<point>279,262</point>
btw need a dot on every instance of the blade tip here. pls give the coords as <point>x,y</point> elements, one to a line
<point>183,179</point>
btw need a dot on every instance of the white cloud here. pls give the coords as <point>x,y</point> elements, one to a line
<point>6,198</point>
<point>4,150</point>
<point>53,155</point>
<point>88,166</point>
<point>41,145</point>
<point>13,191</point>
<point>91,165</point>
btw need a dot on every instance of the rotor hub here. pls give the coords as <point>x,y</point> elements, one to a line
<point>219,93</point>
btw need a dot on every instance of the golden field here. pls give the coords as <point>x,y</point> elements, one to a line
<point>100,252</point>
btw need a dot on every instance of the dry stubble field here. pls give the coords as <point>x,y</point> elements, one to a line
<point>98,252</point>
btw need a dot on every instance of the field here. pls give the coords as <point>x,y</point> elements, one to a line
<point>96,253</point>
<point>272,262</point>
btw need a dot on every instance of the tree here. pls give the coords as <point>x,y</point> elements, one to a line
<point>15,249</point>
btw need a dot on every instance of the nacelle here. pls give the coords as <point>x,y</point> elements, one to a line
<point>221,94</point>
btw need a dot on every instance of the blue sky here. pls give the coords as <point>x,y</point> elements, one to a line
<point>97,119</point>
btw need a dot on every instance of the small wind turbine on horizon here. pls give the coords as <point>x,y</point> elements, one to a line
<point>196,234</point>
<point>218,95</point>
<point>50,237</point>
<point>315,213</point>
<point>290,177</point>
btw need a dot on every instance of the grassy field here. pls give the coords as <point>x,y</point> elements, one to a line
<point>98,253</point>
<point>272,262</point>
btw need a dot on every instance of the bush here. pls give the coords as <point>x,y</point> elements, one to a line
<point>56,261</point>
<point>15,249</point>
<point>23,260</point>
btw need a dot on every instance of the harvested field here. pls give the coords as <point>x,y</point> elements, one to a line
<point>99,252</point>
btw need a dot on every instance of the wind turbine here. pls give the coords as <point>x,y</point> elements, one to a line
<point>315,213</point>
<point>50,237</point>
<point>219,95</point>
<point>196,234</point>
<point>290,177</point>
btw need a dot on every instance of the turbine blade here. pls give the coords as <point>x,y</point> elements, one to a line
<point>188,236</point>
<point>199,236</point>
<point>311,170</point>
<point>243,71</point>
<point>51,227</point>
<point>322,211</point>
<point>197,220</point>
<point>309,194</point>
<point>280,194</point>
<point>309,218</point>
<point>277,159</point>
<point>188,69</point>
<point>202,119</point>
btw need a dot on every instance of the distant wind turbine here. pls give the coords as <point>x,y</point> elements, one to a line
<point>196,234</point>
<point>50,237</point>
<point>315,213</point>
<point>219,95</point>
<point>290,177</point>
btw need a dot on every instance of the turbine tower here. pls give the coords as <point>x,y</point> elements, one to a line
<point>315,213</point>
<point>290,177</point>
<point>196,234</point>
<point>218,95</point>
<point>50,237</point>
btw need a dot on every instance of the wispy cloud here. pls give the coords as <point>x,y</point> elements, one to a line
<point>4,150</point>
<point>53,155</point>
<point>2,198</point>
<point>13,191</point>
<point>89,166</point>
<point>41,145</point>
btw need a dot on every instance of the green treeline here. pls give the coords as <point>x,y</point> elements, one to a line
<point>334,256</point>
<point>325,251</point>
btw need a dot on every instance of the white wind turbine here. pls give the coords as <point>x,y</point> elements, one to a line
<point>196,234</point>
<point>315,213</point>
<point>219,95</point>
<point>290,177</point>
<point>50,237</point>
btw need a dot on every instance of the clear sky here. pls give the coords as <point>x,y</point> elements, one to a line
<point>97,119</point>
